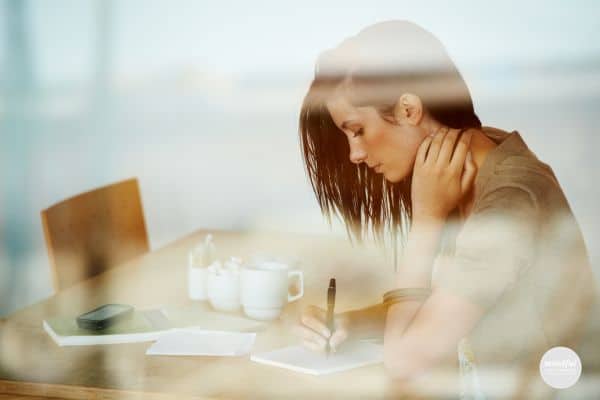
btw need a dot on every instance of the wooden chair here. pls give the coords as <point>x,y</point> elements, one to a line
<point>94,231</point>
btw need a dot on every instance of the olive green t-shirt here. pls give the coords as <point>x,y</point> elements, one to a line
<point>521,256</point>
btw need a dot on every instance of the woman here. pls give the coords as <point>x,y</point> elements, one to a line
<point>392,143</point>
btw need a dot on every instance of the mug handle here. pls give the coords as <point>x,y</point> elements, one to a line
<point>301,280</point>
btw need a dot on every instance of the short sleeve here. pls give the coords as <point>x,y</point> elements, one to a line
<point>495,245</point>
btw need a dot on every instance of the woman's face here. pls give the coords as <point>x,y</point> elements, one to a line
<point>388,148</point>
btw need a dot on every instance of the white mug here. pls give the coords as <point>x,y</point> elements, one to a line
<point>264,288</point>
<point>223,291</point>
<point>223,287</point>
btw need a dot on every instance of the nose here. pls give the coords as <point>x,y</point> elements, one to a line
<point>357,153</point>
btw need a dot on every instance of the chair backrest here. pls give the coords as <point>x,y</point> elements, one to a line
<point>94,231</point>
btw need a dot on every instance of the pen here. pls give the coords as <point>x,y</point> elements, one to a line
<point>330,306</point>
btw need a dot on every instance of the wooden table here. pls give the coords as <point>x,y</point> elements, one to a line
<point>32,364</point>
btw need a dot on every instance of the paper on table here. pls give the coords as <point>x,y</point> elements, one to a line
<point>198,342</point>
<point>300,359</point>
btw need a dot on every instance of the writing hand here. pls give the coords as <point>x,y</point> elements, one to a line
<point>312,329</point>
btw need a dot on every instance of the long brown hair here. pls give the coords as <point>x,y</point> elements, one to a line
<point>376,66</point>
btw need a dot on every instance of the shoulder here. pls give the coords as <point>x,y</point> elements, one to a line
<point>523,171</point>
<point>516,176</point>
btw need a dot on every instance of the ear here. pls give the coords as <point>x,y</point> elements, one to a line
<point>408,109</point>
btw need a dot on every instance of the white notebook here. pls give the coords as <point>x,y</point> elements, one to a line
<point>198,342</point>
<point>143,326</point>
<point>147,325</point>
<point>300,359</point>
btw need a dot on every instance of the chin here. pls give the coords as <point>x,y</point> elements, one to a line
<point>392,177</point>
<point>397,173</point>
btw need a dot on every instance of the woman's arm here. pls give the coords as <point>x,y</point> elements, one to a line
<point>366,322</point>
<point>441,178</point>
<point>415,271</point>
<point>380,320</point>
<point>432,336</point>
<point>419,253</point>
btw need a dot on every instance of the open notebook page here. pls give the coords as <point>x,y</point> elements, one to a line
<point>300,359</point>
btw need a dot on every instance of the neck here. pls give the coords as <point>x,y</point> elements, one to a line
<point>480,143</point>
<point>480,146</point>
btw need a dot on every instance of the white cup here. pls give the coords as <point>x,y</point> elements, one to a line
<point>264,288</point>
<point>223,287</point>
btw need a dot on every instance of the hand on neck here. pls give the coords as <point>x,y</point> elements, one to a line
<point>480,144</point>
<point>479,147</point>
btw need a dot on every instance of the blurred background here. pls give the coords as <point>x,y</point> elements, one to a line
<point>200,101</point>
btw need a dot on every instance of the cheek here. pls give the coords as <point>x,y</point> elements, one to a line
<point>381,141</point>
<point>378,146</point>
<point>403,146</point>
<point>401,153</point>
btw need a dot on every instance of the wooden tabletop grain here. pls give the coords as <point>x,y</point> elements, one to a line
<point>32,364</point>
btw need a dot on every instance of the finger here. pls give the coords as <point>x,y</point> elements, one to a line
<point>441,128</point>
<point>317,312</point>
<point>422,151</point>
<point>462,148</point>
<point>436,144</point>
<point>313,346</point>
<point>469,174</point>
<point>315,323</point>
<point>447,147</point>
<point>337,338</point>
<point>310,335</point>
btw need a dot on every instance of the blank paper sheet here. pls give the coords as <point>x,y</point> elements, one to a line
<point>300,359</point>
<point>195,342</point>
